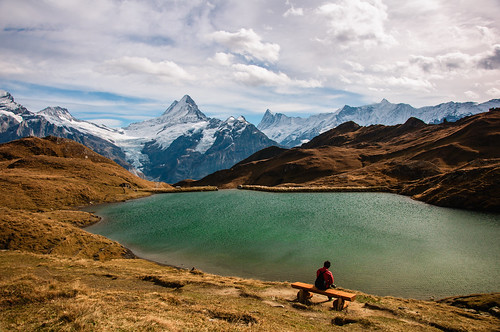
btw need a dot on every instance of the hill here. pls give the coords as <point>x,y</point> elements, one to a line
<point>41,180</point>
<point>57,173</point>
<point>448,164</point>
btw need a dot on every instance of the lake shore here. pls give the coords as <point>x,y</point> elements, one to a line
<point>315,189</point>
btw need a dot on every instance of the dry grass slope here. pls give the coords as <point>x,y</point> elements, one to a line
<point>52,292</point>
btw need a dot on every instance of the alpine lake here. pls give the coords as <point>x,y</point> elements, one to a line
<point>378,243</point>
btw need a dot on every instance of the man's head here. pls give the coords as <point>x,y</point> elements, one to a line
<point>327,264</point>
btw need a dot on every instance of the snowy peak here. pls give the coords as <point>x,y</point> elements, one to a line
<point>57,113</point>
<point>290,131</point>
<point>233,120</point>
<point>183,111</point>
<point>271,119</point>
<point>4,95</point>
<point>267,120</point>
<point>7,104</point>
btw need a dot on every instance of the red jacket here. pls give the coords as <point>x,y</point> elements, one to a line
<point>328,276</point>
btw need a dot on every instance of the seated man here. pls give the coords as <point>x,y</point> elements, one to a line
<point>324,278</point>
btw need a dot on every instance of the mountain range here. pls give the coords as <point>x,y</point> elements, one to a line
<point>183,143</point>
<point>294,131</point>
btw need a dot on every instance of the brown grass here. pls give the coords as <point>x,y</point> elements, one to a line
<point>52,292</point>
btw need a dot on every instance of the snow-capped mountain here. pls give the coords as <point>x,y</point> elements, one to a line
<point>17,122</point>
<point>182,143</point>
<point>293,131</point>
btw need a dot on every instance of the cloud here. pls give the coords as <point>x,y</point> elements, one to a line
<point>445,62</point>
<point>223,59</point>
<point>137,65</point>
<point>354,65</point>
<point>246,42</point>
<point>494,92</point>
<point>292,11</point>
<point>471,95</point>
<point>113,123</point>
<point>491,61</point>
<point>258,76</point>
<point>458,61</point>
<point>223,52</point>
<point>356,22</point>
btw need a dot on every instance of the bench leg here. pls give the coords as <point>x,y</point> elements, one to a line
<point>303,296</point>
<point>339,304</point>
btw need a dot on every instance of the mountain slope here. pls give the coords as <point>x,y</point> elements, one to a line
<point>450,164</point>
<point>57,276</point>
<point>293,131</point>
<point>58,173</point>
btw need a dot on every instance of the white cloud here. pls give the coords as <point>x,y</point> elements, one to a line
<point>494,92</point>
<point>458,61</point>
<point>161,50</point>
<point>490,60</point>
<point>354,65</point>
<point>138,65</point>
<point>487,34</point>
<point>246,42</point>
<point>471,95</point>
<point>356,22</point>
<point>11,68</point>
<point>292,11</point>
<point>223,59</point>
<point>446,62</point>
<point>256,76</point>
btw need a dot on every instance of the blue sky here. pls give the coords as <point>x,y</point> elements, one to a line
<point>116,62</point>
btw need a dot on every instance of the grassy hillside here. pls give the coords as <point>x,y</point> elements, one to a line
<point>53,292</point>
<point>54,276</point>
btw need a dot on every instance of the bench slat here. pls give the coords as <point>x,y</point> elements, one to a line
<point>329,292</point>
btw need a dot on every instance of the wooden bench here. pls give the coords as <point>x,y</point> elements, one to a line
<point>342,298</point>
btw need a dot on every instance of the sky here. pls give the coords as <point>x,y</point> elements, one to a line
<point>120,61</point>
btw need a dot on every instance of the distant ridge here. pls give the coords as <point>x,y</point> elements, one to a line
<point>294,131</point>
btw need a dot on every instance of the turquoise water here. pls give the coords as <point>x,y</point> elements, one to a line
<point>378,243</point>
